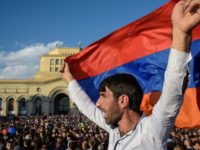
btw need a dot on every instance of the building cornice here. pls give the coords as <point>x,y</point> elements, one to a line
<point>30,81</point>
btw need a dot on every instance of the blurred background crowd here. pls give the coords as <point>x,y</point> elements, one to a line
<point>72,132</point>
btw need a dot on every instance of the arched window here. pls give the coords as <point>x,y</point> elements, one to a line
<point>11,106</point>
<point>38,105</point>
<point>22,106</point>
<point>61,104</point>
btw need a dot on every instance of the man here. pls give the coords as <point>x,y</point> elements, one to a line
<point>117,109</point>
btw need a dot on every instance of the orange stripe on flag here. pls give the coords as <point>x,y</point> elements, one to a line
<point>189,115</point>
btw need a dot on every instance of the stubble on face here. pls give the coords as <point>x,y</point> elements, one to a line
<point>112,115</point>
<point>110,107</point>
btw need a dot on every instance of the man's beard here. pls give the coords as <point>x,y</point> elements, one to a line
<point>113,122</point>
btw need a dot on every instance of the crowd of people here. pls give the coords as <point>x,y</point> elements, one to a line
<point>181,139</point>
<point>53,132</point>
<point>72,132</point>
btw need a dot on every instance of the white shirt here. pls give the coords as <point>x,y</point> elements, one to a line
<point>152,131</point>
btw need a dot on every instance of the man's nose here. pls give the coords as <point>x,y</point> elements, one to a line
<point>98,103</point>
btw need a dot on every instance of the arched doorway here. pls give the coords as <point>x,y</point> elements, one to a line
<point>38,105</point>
<point>61,104</point>
<point>11,106</point>
<point>22,106</point>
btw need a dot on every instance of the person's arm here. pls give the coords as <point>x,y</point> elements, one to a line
<point>81,99</point>
<point>185,17</point>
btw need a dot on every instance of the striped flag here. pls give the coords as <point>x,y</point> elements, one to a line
<point>140,48</point>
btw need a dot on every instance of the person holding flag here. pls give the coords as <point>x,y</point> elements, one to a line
<point>118,108</point>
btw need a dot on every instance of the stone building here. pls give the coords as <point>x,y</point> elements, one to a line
<point>44,94</point>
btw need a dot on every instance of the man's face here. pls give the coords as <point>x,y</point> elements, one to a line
<point>110,107</point>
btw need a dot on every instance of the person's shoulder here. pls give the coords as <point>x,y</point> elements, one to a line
<point>144,118</point>
<point>144,123</point>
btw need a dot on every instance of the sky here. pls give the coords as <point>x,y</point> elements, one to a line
<point>30,28</point>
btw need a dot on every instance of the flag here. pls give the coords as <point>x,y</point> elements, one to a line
<point>140,48</point>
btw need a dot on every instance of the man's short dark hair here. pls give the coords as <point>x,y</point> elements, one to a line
<point>124,84</point>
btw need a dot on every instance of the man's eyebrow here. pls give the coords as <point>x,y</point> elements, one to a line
<point>102,93</point>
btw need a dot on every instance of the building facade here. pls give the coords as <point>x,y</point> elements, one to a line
<point>44,94</point>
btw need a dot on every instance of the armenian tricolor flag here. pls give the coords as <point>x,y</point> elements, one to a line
<point>140,48</point>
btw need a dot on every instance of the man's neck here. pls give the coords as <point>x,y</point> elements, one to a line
<point>128,122</point>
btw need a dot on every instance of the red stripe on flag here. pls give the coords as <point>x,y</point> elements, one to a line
<point>143,37</point>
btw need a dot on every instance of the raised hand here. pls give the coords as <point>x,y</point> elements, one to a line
<point>186,15</point>
<point>67,76</point>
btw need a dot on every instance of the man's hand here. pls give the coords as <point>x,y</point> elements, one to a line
<point>185,16</point>
<point>67,76</point>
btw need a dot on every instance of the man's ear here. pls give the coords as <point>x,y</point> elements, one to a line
<point>123,101</point>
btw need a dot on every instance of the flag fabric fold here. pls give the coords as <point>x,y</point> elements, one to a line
<point>140,48</point>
